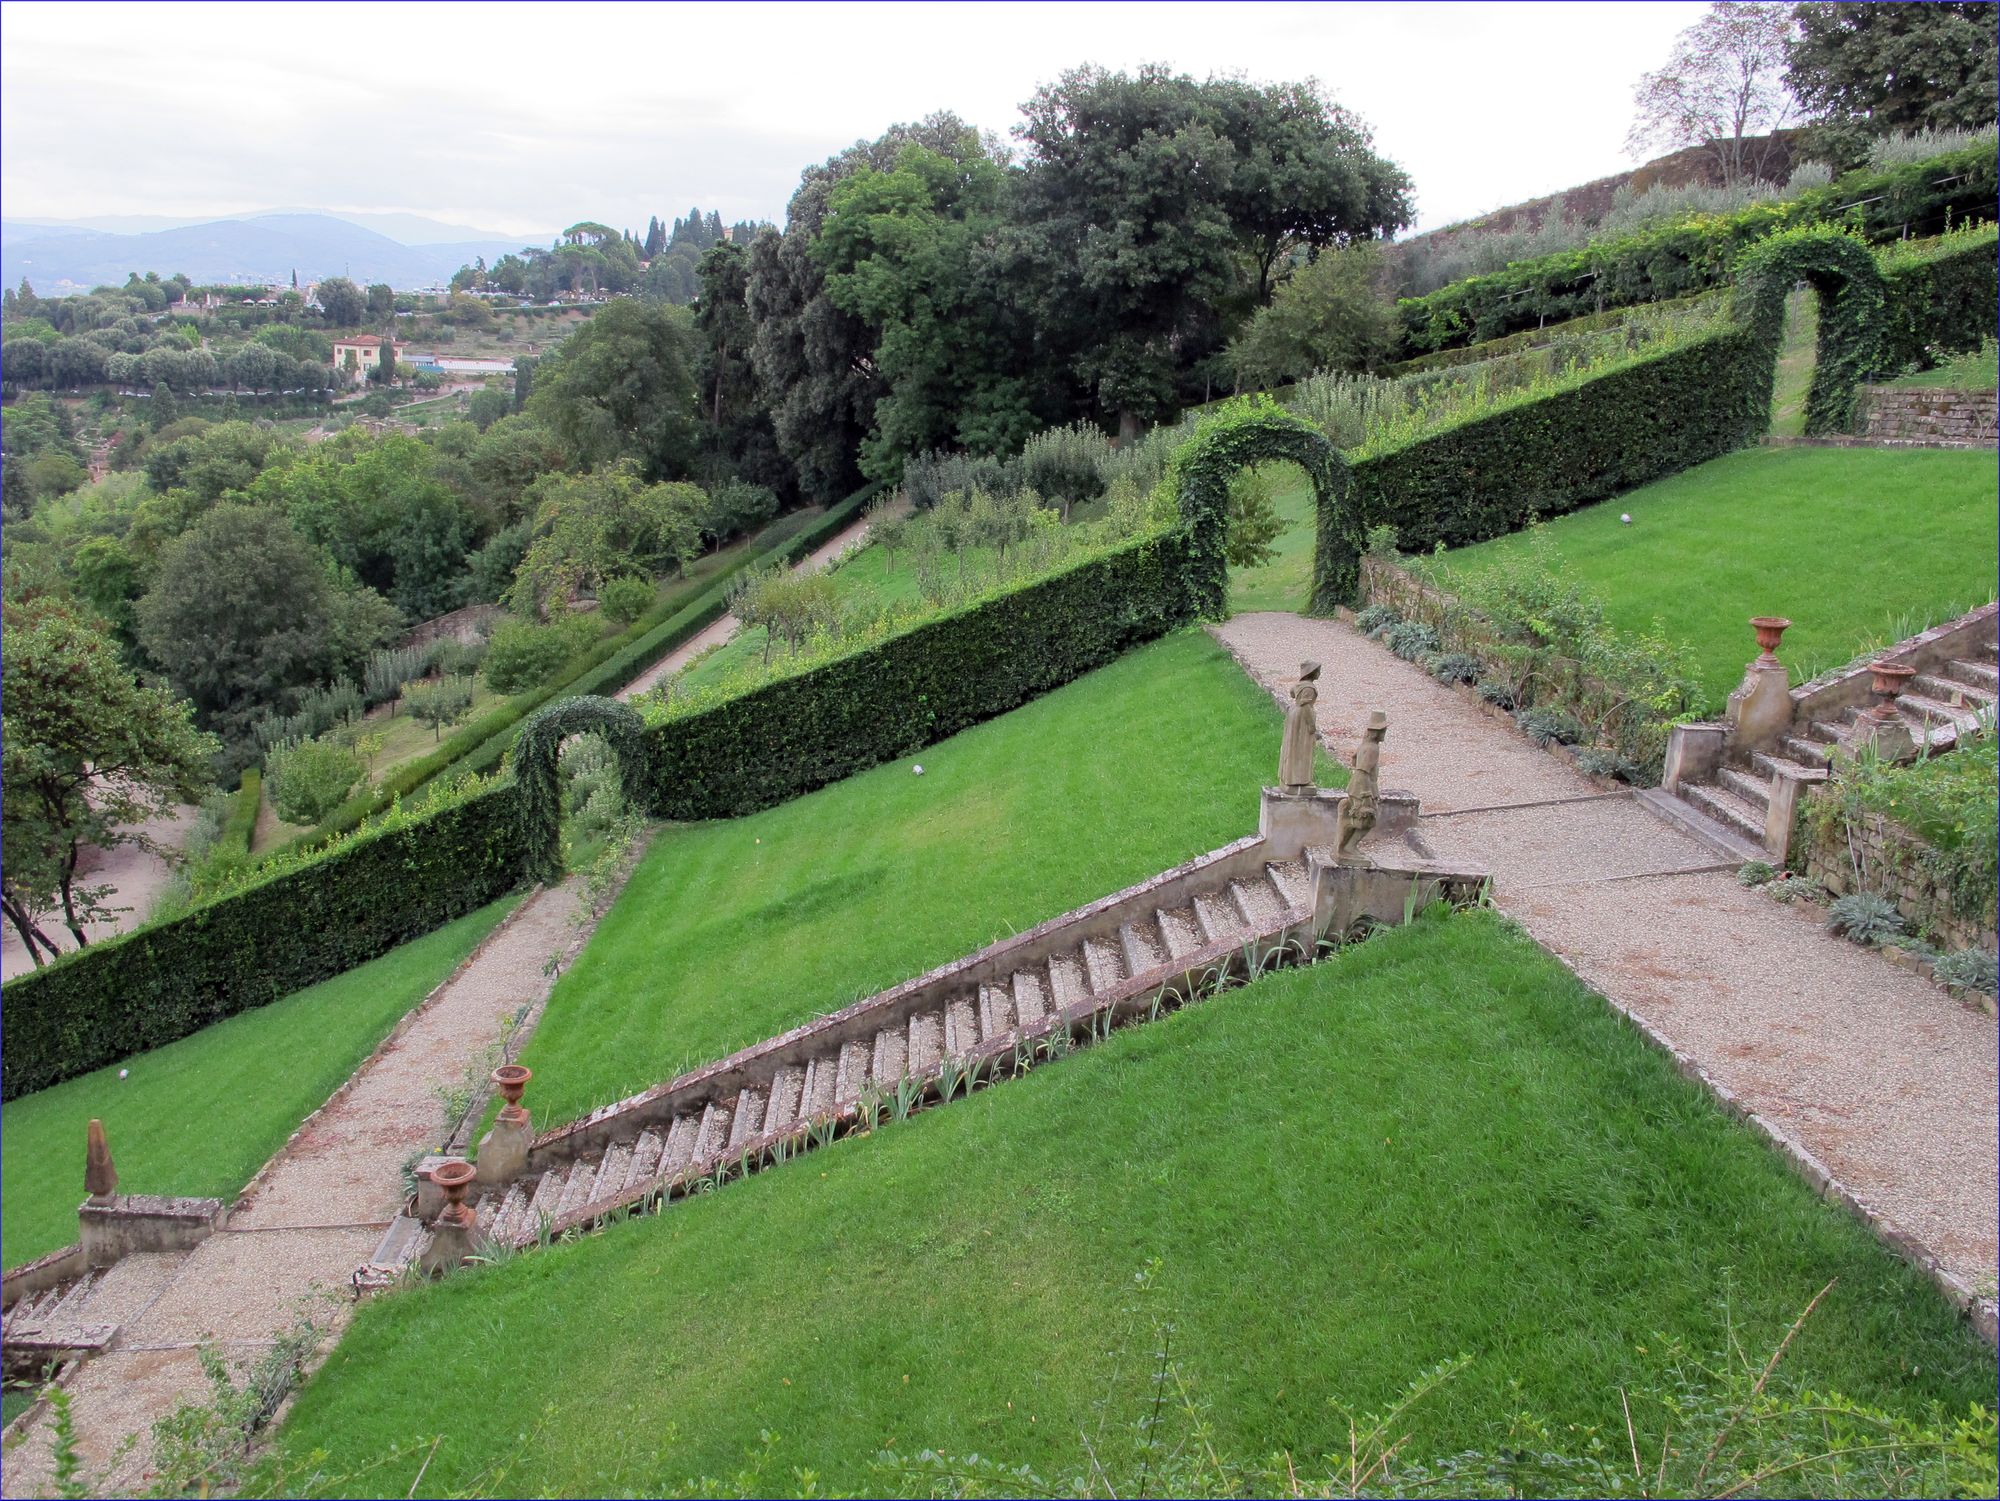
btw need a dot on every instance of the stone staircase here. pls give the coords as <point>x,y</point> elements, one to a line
<point>55,1325</point>
<point>1952,694</point>
<point>1260,901</point>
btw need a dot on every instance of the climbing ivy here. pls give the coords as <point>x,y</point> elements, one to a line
<point>536,753</point>
<point>1853,320</point>
<point>1243,434</point>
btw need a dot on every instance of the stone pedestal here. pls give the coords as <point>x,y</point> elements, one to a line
<point>503,1151</point>
<point>1694,751</point>
<point>113,1226</point>
<point>1290,820</point>
<point>1760,710</point>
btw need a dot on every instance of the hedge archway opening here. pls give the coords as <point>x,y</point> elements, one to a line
<point>537,770</point>
<point>1240,437</point>
<point>1853,313</point>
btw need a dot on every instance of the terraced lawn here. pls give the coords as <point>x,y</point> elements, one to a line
<point>201,1115</point>
<point>730,932</point>
<point>1858,546</point>
<point>1437,1143</point>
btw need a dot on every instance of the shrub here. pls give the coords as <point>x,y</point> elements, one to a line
<point>624,600</point>
<point>309,779</point>
<point>929,477</point>
<point>1755,873</point>
<point>1410,639</point>
<point>734,508</point>
<point>1372,620</point>
<point>1967,969</point>
<point>274,931</point>
<point>1381,542</point>
<point>1864,917</point>
<point>1602,761</point>
<point>1066,465</point>
<point>1455,667</point>
<point>456,658</point>
<point>1548,727</point>
<point>1789,889</point>
<point>1940,297</point>
<point>1500,695</point>
<point>386,671</point>
<point>437,704</point>
<point>522,655</point>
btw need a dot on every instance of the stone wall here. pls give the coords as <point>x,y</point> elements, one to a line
<point>1913,414</point>
<point>1893,864</point>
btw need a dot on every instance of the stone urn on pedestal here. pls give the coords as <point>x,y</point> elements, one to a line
<point>1883,726</point>
<point>503,1151</point>
<point>1770,631</point>
<point>1760,710</point>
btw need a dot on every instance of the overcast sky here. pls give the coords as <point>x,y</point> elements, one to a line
<point>525,118</point>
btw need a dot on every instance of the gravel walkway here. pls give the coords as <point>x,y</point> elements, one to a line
<point>724,630</point>
<point>309,1218</point>
<point>1866,1074</point>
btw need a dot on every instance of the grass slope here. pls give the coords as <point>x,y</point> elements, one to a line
<point>730,932</point>
<point>1857,546</point>
<point>1437,1142</point>
<point>201,1115</point>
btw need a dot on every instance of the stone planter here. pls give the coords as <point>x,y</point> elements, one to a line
<point>511,1080</point>
<point>1770,630</point>
<point>454,1178</point>
<point>1890,678</point>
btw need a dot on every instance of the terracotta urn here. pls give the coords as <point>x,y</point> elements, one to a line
<point>1890,678</point>
<point>454,1178</point>
<point>511,1079</point>
<point>1769,629</point>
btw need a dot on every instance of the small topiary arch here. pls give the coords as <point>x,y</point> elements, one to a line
<point>1241,435</point>
<point>536,752</point>
<point>1853,313</point>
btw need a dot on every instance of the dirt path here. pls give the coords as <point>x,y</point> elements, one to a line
<point>724,630</point>
<point>136,877</point>
<point>309,1218</point>
<point>1865,1073</point>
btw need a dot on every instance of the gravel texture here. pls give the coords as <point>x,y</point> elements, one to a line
<point>1871,1073</point>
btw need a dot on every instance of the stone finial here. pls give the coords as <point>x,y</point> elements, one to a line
<point>1364,794</point>
<point>100,1175</point>
<point>1295,753</point>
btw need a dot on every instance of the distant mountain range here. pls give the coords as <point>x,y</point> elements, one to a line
<point>404,250</point>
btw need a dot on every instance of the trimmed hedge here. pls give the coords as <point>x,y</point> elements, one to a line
<point>1945,300</point>
<point>240,827</point>
<point>160,983</point>
<point>1493,474</point>
<point>1842,270</point>
<point>1527,338</point>
<point>538,771</point>
<point>1672,260</point>
<point>900,695</point>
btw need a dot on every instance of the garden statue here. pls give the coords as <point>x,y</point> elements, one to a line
<point>1358,808</point>
<point>1295,757</point>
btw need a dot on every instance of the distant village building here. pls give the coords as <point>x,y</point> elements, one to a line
<point>367,350</point>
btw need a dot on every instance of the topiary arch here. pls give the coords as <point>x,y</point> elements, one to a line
<point>536,752</point>
<point>1852,321</point>
<point>1241,435</point>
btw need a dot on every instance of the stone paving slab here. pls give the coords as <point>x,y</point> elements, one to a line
<point>1871,1072</point>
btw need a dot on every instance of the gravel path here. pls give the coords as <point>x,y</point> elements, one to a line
<point>1865,1073</point>
<point>309,1218</point>
<point>136,878</point>
<point>724,630</point>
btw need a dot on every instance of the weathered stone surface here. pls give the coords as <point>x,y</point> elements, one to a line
<point>1901,414</point>
<point>127,1223</point>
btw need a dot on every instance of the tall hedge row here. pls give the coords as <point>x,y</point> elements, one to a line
<point>1493,474</point>
<point>1945,302</point>
<point>1673,260</point>
<point>791,736</point>
<point>161,983</point>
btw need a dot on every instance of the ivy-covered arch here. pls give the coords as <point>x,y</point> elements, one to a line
<point>1240,436</point>
<point>1853,312</point>
<point>536,752</point>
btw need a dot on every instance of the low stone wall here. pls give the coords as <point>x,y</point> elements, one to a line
<point>1915,414</point>
<point>1892,864</point>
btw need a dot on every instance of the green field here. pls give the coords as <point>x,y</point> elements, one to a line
<point>201,1115</point>
<point>1436,1143</point>
<point>1858,547</point>
<point>1978,371</point>
<point>731,932</point>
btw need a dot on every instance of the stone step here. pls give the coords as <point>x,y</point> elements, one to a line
<point>548,1196</point>
<point>1974,674</point>
<point>787,1092</point>
<point>1810,753</point>
<point>1292,880</point>
<point>1217,917</point>
<point>509,1223</point>
<point>1949,690</point>
<point>1767,766</point>
<point>926,1044</point>
<point>747,1120</point>
<point>1729,810</point>
<point>1103,966</point>
<point>961,1027</point>
<point>1031,994</point>
<point>1725,839</point>
<point>646,1154</point>
<point>1931,712</point>
<point>681,1137</point>
<point>1068,984</point>
<point>576,1189</point>
<point>713,1136</point>
<point>1179,930</point>
<point>1825,731</point>
<point>1749,787</point>
<point>1144,951</point>
<point>996,1014</point>
<point>892,1055</point>
<point>1257,900</point>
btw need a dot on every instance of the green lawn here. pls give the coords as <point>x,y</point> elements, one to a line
<point>1797,355</point>
<point>1284,583</point>
<point>201,1115</point>
<point>1857,546</point>
<point>1438,1142</point>
<point>733,931</point>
